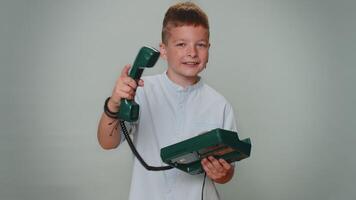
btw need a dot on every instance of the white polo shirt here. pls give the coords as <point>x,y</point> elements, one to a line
<point>169,114</point>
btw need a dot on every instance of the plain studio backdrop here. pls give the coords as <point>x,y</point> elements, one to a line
<point>287,67</point>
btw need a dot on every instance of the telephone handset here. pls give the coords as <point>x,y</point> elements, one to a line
<point>129,109</point>
<point>146,58</point>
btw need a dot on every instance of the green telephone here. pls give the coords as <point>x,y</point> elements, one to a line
<point>146,58</point>
<point>220,143</point>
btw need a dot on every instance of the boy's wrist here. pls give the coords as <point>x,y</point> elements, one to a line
<point>113,106</point>
<point>111,110</point>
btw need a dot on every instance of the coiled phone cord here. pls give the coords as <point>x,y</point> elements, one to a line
<point>134,151</point>
<point>143,163</point>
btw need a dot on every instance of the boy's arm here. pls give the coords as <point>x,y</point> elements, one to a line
<point>218,170</point>
<point>108,135</point>
<point>125,87</point>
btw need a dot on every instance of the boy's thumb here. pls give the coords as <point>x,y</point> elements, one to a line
<point>125,70</point>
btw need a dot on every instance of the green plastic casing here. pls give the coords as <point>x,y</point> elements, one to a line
<point>220,143</point>
<point>146,58</point>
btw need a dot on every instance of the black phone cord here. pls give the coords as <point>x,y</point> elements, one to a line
<point>134,151</point>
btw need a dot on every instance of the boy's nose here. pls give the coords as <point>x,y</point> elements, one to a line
<point>192,51</point>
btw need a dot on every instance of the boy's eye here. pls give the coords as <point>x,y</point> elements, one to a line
<point>202,45</point>
<point>180,44</point>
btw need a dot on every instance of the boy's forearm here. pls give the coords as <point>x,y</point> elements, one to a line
<point>108,136</point>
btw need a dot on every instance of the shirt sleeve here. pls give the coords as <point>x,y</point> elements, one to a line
<point>229,119</point>
<point>230,123</point>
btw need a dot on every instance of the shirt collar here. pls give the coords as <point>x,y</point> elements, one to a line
<point>179,88</point>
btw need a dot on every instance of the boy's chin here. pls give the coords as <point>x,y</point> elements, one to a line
<point>189,76</point>
<point>192,71</point>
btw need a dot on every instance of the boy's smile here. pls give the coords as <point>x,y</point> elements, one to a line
<point>186,52</point>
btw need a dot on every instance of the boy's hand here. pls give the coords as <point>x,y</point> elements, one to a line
<point>218,170</point>
<point>125,88</point>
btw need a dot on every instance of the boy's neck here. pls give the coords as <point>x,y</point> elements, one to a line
<point>182,81</point>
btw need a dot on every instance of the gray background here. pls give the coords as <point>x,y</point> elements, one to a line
<point>288,68</point>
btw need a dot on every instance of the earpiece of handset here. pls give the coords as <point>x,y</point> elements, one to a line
<point>146,58</point>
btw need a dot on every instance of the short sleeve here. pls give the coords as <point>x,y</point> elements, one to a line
<point>229,118</point>
<point>230,122</point>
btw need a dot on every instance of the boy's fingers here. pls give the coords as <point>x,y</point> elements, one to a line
<point>225,164</point>
<point>206,164</point>
<point>216,164</point>
<point>206,169</point>
<point>211,167</point>
<point>140,83</point>
<point>130,82</point>
<point>127,89</point>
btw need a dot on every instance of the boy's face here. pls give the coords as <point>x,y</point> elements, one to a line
<point>186,52</point>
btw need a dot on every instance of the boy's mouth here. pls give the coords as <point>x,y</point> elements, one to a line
<point>192,63</point>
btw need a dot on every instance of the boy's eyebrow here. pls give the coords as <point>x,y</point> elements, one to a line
<point>203,40</point>
<point>180,40</point>
<point>184,40</point>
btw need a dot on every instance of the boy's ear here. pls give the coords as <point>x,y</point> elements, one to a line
<point>162,50</point>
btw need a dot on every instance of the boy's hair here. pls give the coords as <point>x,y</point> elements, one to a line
<point>181,14</point>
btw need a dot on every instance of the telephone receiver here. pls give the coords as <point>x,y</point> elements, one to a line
<point>146,58</point>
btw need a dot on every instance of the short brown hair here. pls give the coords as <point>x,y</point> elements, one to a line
<point>181,14</point>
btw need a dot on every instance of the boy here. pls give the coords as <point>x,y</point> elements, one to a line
<point>174,106</point>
